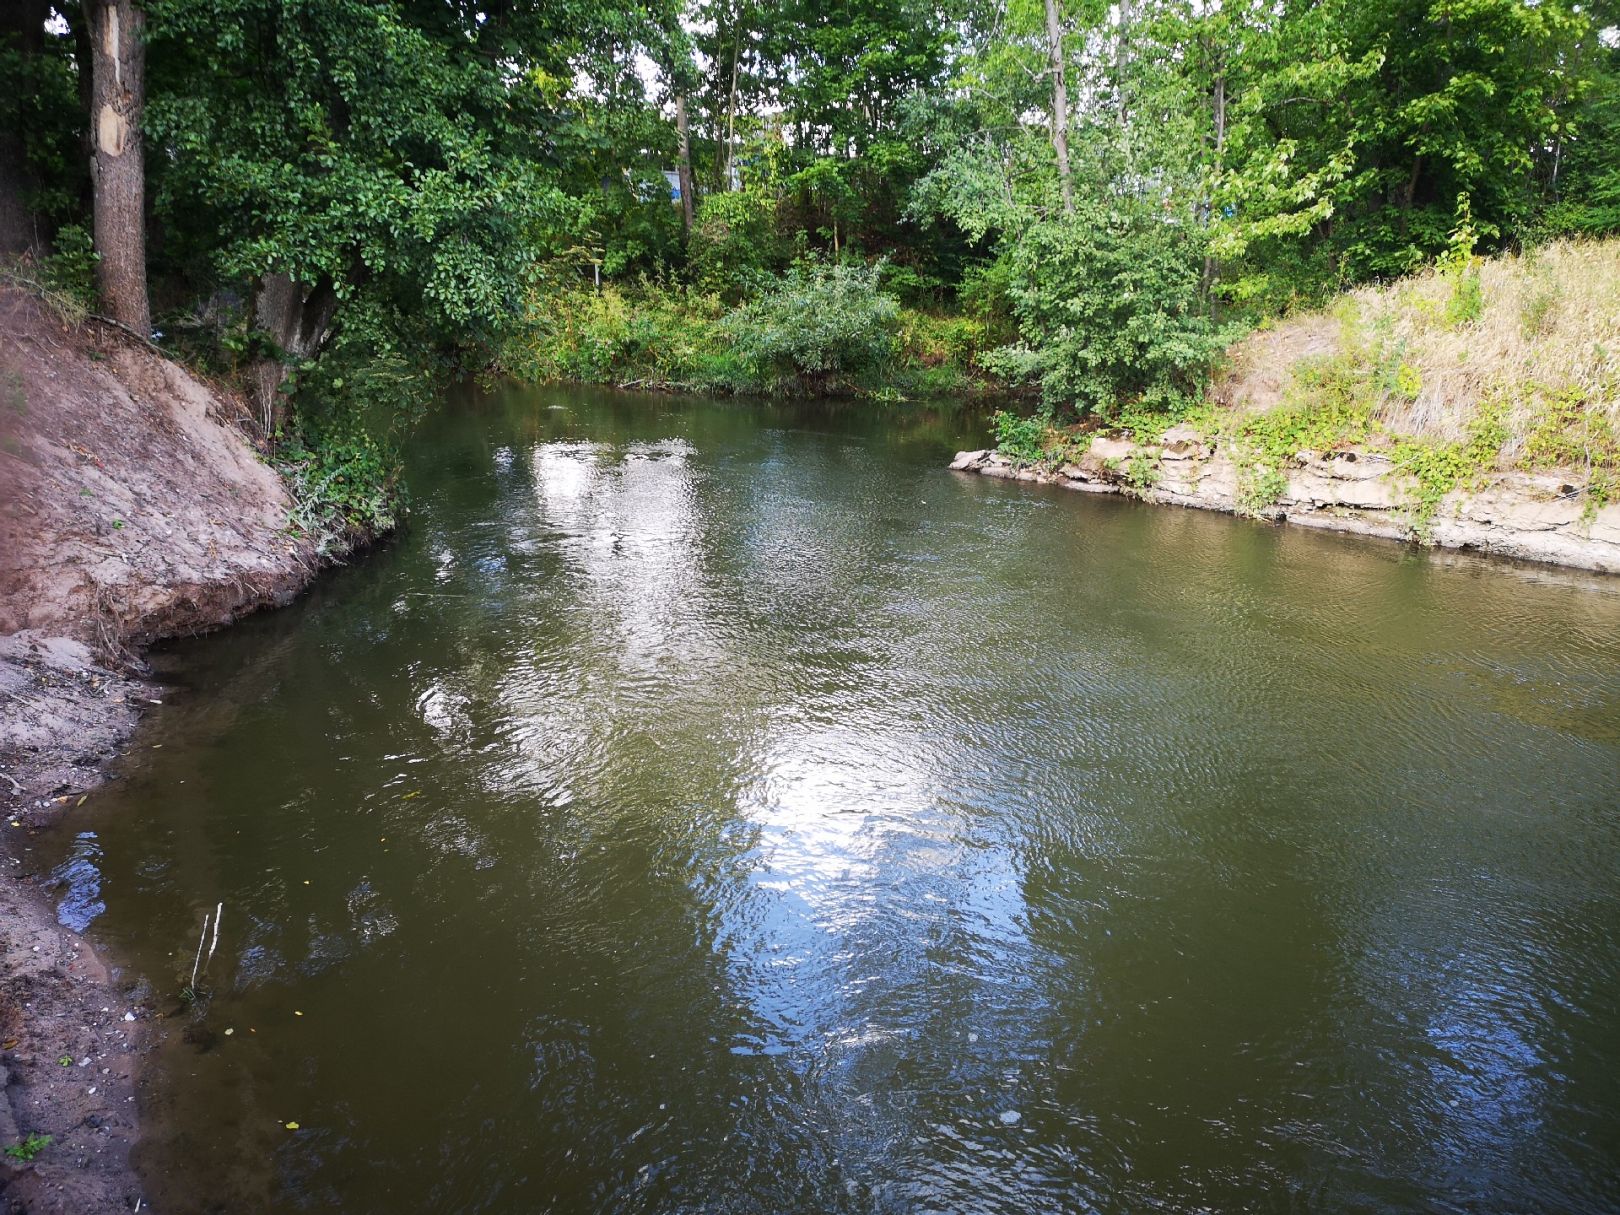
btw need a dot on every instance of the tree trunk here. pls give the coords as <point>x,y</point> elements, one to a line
<point>1121,62</point>
<point>1060,104</point>
<point>118,170</point>
<point>731,116</point>
<point>1211,266</point>
<point>684,163</point>
<point>1409,194</point>
<point>297,319</point>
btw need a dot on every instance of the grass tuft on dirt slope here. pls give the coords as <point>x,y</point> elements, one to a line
<point>1516,358</point>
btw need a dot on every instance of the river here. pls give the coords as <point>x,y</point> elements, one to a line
<point>720,807</point>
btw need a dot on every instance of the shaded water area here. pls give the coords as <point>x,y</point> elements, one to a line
<point>719,807</point>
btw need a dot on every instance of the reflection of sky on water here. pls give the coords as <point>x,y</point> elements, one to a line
<point>864,874</point>
<point>853,851</point>
<point>81,902</point>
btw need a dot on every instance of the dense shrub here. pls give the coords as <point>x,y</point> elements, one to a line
<point>1110,305</point>
<point>650,335</point>
<point>819,326</point>
<point>735,245</point>
<point>1021,439</point>
<point>816,329</point>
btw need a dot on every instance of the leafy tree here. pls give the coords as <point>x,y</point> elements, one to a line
<point>326,150</point>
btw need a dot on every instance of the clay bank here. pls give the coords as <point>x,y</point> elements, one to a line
<point>133,507</point>
<point>1527,516</point>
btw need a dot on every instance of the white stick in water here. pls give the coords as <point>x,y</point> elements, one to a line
<point>219,913</point>
<point>198,961</point>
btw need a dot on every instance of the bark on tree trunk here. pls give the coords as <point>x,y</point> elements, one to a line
<point>731,124</point>
<point>118,170</point>
<point>1409,194</point>
<point>297,318</point>
<point>1060,104</point>
<point>1212,268</point>
<point>684,163</point>
<point>1121,61</point>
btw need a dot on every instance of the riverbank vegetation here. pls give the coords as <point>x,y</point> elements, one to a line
<point>817,329</point>
<point>1471,368</point>
<point>341,205</point>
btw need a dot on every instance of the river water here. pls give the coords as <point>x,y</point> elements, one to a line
<point>718,807</point>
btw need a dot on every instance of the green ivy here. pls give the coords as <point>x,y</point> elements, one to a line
<point>1436,469</point>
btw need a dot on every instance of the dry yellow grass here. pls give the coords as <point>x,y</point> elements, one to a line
<point>1547,325</point>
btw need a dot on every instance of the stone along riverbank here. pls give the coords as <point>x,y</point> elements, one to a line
<point>1528,516</point>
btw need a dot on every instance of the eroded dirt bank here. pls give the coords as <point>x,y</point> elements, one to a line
<point>1527,516</point>
<point>133,507</point>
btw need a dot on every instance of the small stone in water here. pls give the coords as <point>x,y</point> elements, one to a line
<point>1010,1117</point>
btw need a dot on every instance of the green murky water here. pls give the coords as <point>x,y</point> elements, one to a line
<point>712,807</point>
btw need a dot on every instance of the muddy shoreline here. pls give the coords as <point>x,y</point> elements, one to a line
<point>157,519</point>
<point>1539,517</point>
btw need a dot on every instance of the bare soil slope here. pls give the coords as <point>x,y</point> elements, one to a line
<point>132,507</point>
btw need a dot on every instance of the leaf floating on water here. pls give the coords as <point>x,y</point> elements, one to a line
<point>411,794</point>
<point>297,1012</point>
<point>82,799</point>
<point>292,1126</point>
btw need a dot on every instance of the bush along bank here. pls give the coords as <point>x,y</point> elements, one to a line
<point>820,329</point>
<point>1471,406</point>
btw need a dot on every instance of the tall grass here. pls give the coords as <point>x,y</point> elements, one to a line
<point>1528,342</point>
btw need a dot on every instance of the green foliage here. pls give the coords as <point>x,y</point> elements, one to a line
<point>1572,429</point>
<point>817,327</point>
<point>1111,303</point>
<point>351,408</point>
<point>735,245</point>
<point>1142,472</point>
<point>348,144</point>
<point>343,490</point>
<point>1260,485</point>
<point>1023,440</point>
<point>1331,405</point>
<point>649,336</point>
<point>69,270</point>
<point>1435,469</point>
<point>27,1149</point>
<point>1600,491</point>
<point>41,109</point>
<point>1460,267</point>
